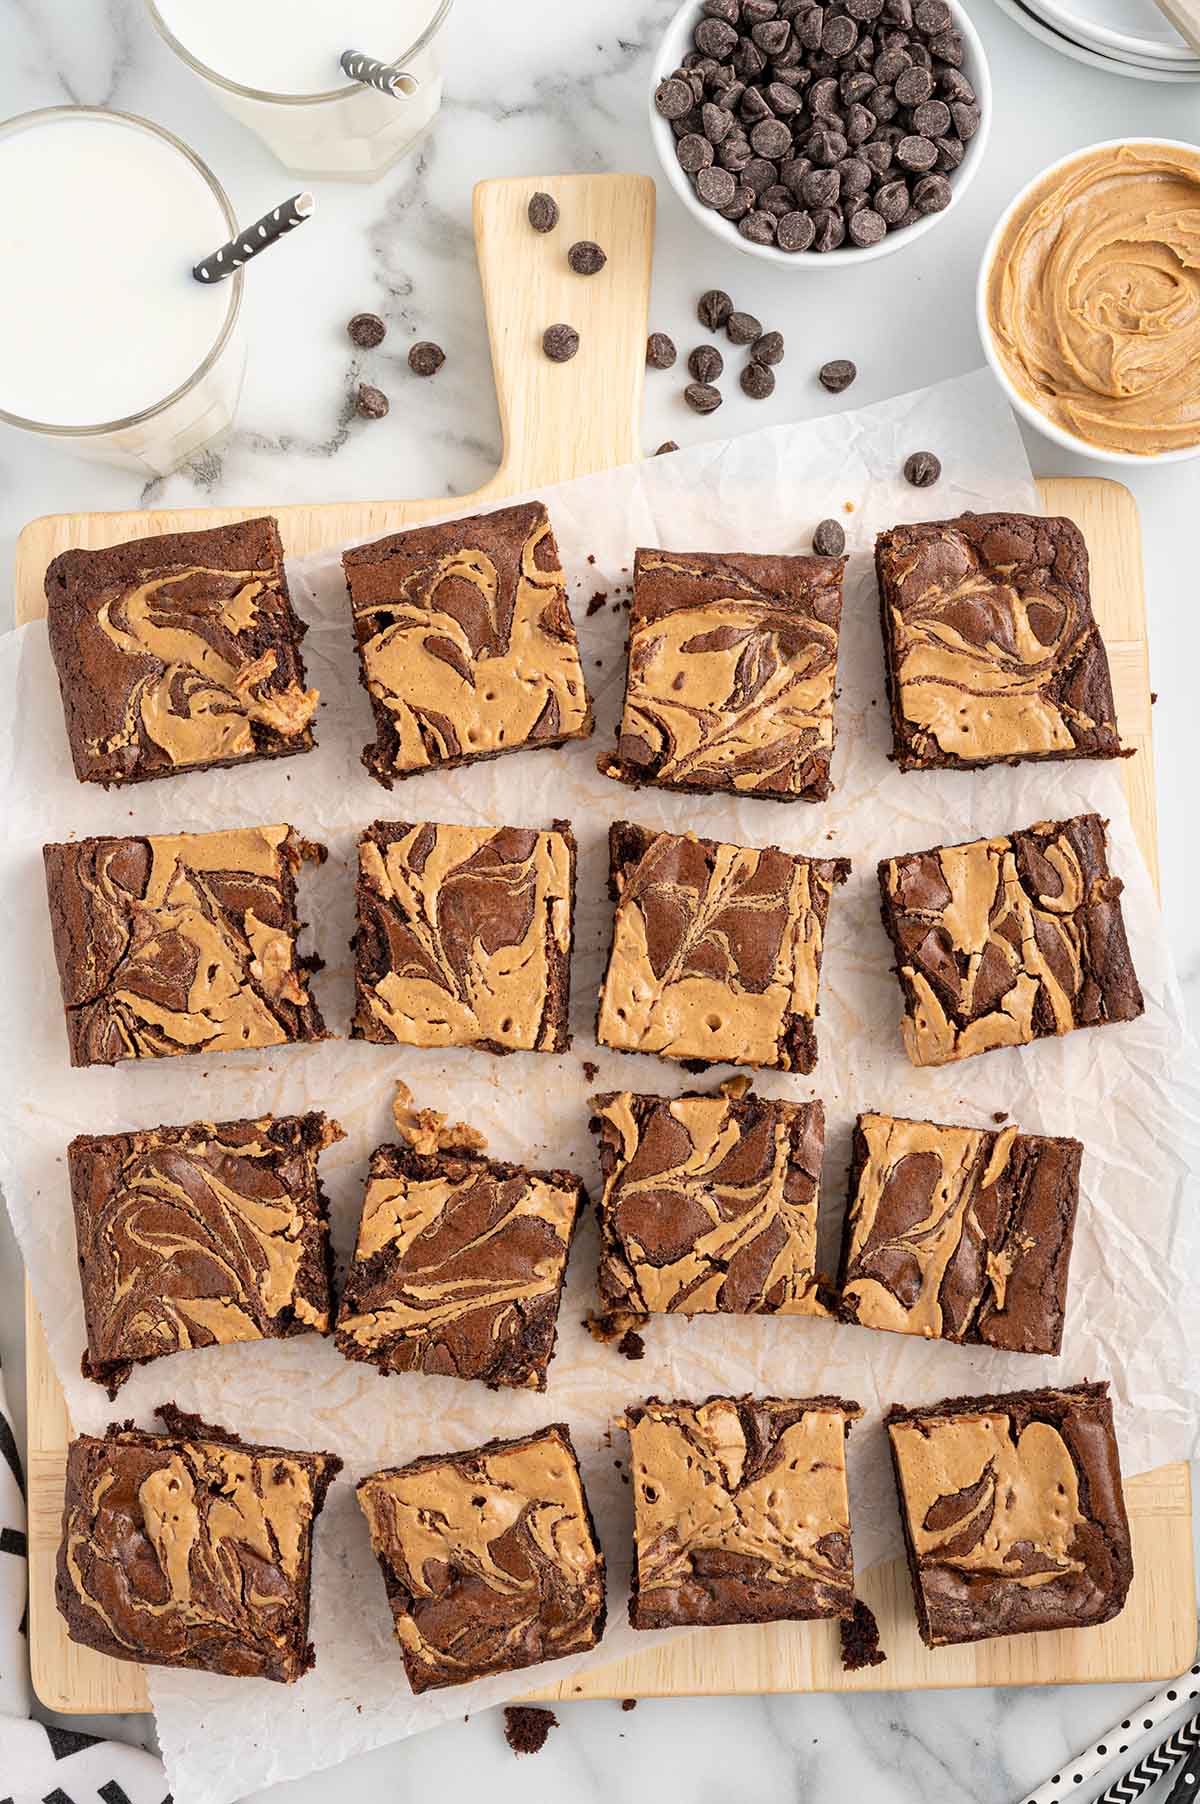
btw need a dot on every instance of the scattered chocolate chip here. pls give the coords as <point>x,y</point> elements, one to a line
<point>837,374</point>
<point>758,381</point>
<point>586,258</point>
<point>367,330</point>
<point>426,359</point>
<point>706,363</point>
<point>701,397</point>
<point>742,328</point>
<point>371,403</point>
<point>667,445</point>
<point>922,469</point>
<point>560,343</point>
<point>768,348</point>
<point>543,208</point>
<point>829,539</point>
<point>629,1703</point>
<point>660,351</point>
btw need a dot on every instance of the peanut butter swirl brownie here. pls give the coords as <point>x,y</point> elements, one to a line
<point>180,943</point>
<point>177,653</point>
<point>200,1236</point>
<point>741,1511</point>
<point>489,1558</point>
<point>709,1204</point>
<point>960,1234</point>
<point>466,642</point>
<point>716,950</point>
<point>1004,941</point>
<point>992,651</point>
<point>1013,1512</point>
<point>191,1548</point>
<point>732,672</point>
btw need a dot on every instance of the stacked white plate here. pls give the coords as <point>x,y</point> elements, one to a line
<point>1123,37</point>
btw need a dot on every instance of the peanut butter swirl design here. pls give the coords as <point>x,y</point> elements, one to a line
<point>459,1267</point>
<point>709,1205</point>
<point>467,644</point>
<point>716,950</point>
<point>178,653</point>
<point>1013,1512</point>
<point>741,1511</point>
<point>732,671</point>
<point>199,1236</point>
<point>464,936</point>
<point>960,1234</point>
<point>1004,941</point>
<point>180,943</point>
<point>1093,298</point>
<point>992,650</point>
<point>489,1558</point>
<point>191,1549</point>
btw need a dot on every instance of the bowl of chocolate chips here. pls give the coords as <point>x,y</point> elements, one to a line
<point>804,131</point>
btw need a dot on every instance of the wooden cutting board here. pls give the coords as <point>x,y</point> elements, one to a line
<point>560,421</point>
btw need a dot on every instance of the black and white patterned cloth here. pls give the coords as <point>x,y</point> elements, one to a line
<point>41,1764</point>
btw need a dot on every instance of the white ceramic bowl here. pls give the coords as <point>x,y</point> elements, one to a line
<point>675,44</point>
<point>1047,427</point>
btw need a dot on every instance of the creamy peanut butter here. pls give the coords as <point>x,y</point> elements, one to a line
<point>1093,298</point>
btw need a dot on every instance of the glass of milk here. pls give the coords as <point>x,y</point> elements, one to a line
<point>275,65</point>
<point>107,342</point>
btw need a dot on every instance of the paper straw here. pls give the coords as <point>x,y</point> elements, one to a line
<point>1187,1780</point>
<point>267,230</point>
<point>1110,1747</point>
<point>1155,1765</point>
<point>384,76</point>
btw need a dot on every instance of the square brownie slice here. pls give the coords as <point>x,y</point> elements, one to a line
<point>459,1267</point>
<point>1013,1512</point>
<point>716,950</point>
<point>992,652</point>
<point>464,936</point>
<point>732,673</point>
<point>1004,941</point>
<point>466,643</point>
<point>489,1558</point>
<point>191,1548</point>
<point>741,1511</point>
<point>181,943</point>
<point>960,1234</point>
<point>179,652</point>
<point>200,1236</point>
<point>709,1204</point>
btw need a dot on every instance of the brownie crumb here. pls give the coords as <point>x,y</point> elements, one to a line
<point>526,1727</point>
<point>629,1703</point>
<point>1000,1115</point>
<point>631,1345</point>
<point>597,602</point>
<point>669,445</point>
<point>860,1639</point>
<point>591,1070</point>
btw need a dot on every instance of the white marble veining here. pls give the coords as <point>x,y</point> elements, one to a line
<point>537,86</point>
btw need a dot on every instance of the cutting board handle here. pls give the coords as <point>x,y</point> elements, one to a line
<point>561,420</point>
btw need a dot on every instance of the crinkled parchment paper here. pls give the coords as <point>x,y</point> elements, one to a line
<point>1131,1092</point>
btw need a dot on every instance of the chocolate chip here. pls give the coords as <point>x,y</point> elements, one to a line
<point>821,188</point>
<point>586,258</point>
<point>713,309</point>
<point>922,469</point>
<point>667,445</point>
<point>702,397</point>
<point>931,119</point>
<point>879,155</point>
<point>740,205</point>
<point>889,66</point>
<point>768,348</point>
<point>932,194</point>
<point>777,200</point>
<point>891,201</point>
<point>673,98</point>
<point>758,381</point>
<point>426,359</point>
<point>758,226</point>
<point>829,539</point>
<point>795,232</point>
<point>947,46</point>
<point>955,86</point>
<point>856,177</point>
<point>913,86</point>
<point>966,118</point>
<point>932,16</point>
<point>715,38</point>
<point>951,152</point>
<point>734,155</point>
<point>716,187</point>
<point>863,11</point>
<point>915,153</point>
<point>860,123</point>
<point>783,101</point>
<point>367,330</point>
<point>742,328</point>
<point>837,374</point>
<point>771,138</point>
<point>371,403</point>
<point>793,172</point>
<point>867,227</point>
<point>694,153</point>
<point>771,36</point>
<point>760,174</point>
<point>660,351</point>
<point>716,121</point>
<point>706,363</point>
<point>830,229</point>
<point>560,343</point>
<point>729,10</point>
<point>839,35</point>
<point>823,97</point>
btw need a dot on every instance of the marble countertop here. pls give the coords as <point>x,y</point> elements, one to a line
<point>536,86</point>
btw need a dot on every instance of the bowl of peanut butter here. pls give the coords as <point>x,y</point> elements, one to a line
<point>1089,301</point>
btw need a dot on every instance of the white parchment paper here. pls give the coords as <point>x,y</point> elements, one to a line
<point>1131,1093</point>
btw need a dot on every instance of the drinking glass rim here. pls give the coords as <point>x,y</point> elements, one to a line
<point>237,87</point>
<point>21,121</point>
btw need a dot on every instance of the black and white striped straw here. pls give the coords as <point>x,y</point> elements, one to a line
<point>267,230</point>
<point>384,76</point>
<point>1103,1755</point>
<point>1156,1765</point>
